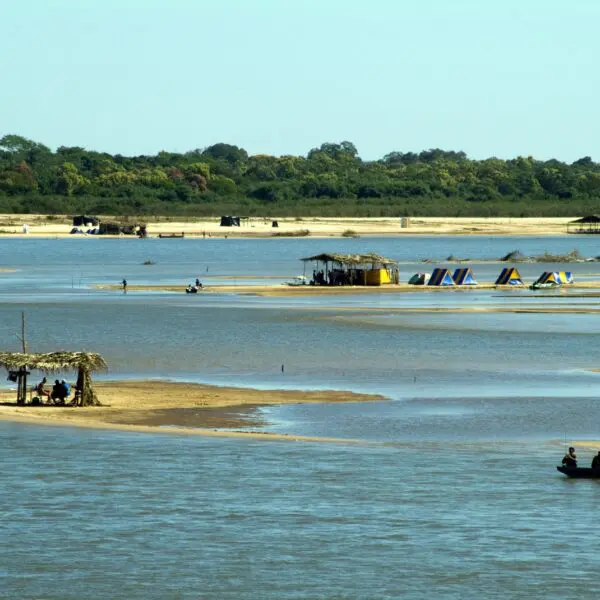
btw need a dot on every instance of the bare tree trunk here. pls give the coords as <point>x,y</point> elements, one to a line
<point>85,389</point>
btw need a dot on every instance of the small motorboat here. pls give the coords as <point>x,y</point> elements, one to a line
<point>297,281</point>
<point>579,472</point>
<point>545,286</point>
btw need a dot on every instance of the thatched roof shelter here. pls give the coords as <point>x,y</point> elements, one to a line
<point>588,224</point>
<point>588,219</point>
<point>353,269</point>
<point>52,362</point>
<point>352,259</point>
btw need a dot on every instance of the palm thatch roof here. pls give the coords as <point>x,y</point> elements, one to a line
<point>352,259</point>
<point>51,362</point>
<point>588,219</point>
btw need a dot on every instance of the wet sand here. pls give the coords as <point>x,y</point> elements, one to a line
<point>179,408</point>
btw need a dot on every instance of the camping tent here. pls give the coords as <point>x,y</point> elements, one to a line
<point>565,276</point>
<point>230,221</point>
<point>464,277</point>
<point>441,277</point>
<point>509,276</point>
<point>419,279</point>
<point>553,279</point>
<point>548,278</point>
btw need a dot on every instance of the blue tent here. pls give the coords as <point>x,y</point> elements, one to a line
<point>441,277</point>
<point>464,277</point>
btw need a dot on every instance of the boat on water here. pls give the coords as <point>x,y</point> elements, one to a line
<point>545,286</point>
<point>549,280</point>
<point>171,235</point>
<point>579,472</point>
<point>296,281</point>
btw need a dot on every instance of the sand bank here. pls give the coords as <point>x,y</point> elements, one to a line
<point>182,408</point>
<point>279,290</point>
<point>585,444</point>
<point>60,226</point>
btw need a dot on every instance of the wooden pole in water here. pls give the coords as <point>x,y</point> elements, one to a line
<point>23,340</point>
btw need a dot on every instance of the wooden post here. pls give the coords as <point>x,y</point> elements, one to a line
<point>22,373</point>
<point>20,399</point>
<point>85,389</point>
<point>23,340</point>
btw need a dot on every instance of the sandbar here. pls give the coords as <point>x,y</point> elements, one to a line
<point>586,444</point>
<point>177,408</point>
<point>314,290</point>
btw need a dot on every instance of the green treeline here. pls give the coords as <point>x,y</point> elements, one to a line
<point>330,181</point>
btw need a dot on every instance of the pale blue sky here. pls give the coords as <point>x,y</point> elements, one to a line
<point>489,77</point>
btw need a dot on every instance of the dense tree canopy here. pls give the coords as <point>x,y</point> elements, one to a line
<point>330,180</point>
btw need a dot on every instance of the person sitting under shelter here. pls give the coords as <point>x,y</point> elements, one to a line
<point>67,387</point>
<point>570,458</point>
<point>41,389</point>
<point>59,392</point>
<point>596,461</point>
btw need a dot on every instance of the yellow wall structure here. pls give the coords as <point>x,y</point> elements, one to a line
<point>378,277</point>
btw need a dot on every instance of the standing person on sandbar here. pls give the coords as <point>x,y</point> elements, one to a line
<point>124,282</point>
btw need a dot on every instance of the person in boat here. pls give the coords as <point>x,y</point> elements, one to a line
<point>198,283</point>
<point>570,458</point>
<point>596,461</point>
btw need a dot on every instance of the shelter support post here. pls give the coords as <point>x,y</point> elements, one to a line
<point>22,385</point>
<point>85,394</point>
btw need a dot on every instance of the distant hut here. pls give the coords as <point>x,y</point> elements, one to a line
<point>85,221</point>
<point>19,365</point>
<point>353,269</point>
<point>230,221</point>
<point>114,228</point>
<point>589,224</point>
<point>109,228</point>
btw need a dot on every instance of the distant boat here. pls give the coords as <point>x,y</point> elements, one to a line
<point>171,235</point>
<point>297,281</point>
<point>580,472</point>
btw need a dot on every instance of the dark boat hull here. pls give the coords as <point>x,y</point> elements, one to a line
<point>580,472</point>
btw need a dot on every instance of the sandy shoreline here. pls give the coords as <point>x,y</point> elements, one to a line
<point>279,290</point>
<point>60,226</point>
<point>176,408</point>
